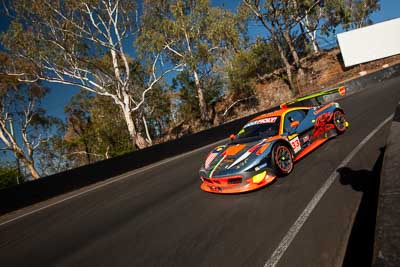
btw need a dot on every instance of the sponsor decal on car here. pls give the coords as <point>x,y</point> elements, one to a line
<point>295,143</point>
<point>259,167</point>
<point>262,121</point>
<point>242,157</point>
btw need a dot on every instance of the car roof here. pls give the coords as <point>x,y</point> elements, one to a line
<point>277,113</point>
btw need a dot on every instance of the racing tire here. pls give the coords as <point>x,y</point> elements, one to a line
<point>339,120</point>
<point>282,159</point>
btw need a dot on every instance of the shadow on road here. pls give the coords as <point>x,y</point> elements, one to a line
<point>360,248</point>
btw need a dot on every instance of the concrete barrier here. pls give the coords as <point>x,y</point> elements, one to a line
<point>387,231</point>
<point>35,191</point>
<point>365,82</point>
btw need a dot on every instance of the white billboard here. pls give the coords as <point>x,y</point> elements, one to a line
<point>370,43</point>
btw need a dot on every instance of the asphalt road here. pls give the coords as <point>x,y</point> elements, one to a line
<point>160,217</point>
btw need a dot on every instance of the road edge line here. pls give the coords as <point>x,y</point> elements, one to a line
<point>101,184</point>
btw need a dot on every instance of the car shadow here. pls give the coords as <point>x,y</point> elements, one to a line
<point>360,247</point>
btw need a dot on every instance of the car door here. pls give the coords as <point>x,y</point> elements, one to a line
<point>299,136</point>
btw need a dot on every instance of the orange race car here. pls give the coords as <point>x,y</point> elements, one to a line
<point>268,145</point>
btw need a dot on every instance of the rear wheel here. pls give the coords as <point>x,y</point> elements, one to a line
<point>339,120</point>
<point>282,159</point>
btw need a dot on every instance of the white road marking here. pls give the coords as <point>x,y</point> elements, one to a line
<point>295,228</point>
<point>111,181</point>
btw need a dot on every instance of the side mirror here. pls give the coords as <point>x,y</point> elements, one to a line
<point>232,136</point>
<point>294,124</point>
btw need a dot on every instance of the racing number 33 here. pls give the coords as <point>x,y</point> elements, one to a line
<point>295,143</point>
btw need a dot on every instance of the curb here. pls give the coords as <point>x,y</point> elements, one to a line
<point>387,230</point>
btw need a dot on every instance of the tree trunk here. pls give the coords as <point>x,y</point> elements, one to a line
<point>311,37</point>
<point>288,68</point>
<point>33,171</point>
<point>313,42</point>
<point>202,100</point>
<point>148,136</point>
<point>31,167</point>
<point>137,139</point>
<point>293,51</point>
<point>87,154</point>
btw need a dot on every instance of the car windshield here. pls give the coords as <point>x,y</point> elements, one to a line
<point>260,128</point>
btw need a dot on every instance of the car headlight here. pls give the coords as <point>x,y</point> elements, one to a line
<point>258,178</point>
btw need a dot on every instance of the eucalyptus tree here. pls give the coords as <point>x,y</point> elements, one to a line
<point>192,34</point>
<point>85,44</point>
<point>282,19</point>
<point>324,16</point>
<point>95,130</point>
<point>24,124</point>
<point>8,175</point>
<point>359,12</point>
<point>275,19</point>
<point>310,14</point>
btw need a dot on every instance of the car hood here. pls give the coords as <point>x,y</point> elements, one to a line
<point>230,158</point>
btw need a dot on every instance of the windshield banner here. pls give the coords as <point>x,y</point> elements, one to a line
<point>262,121</point>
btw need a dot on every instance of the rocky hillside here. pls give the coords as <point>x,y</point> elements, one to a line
<point>322,71</point>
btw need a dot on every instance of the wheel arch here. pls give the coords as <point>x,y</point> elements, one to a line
<point>283,142</point>
<point>340,109</point>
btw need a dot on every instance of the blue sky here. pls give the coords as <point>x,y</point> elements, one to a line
<point>60,94</point>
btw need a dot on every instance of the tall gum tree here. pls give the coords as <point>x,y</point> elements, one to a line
<point>266,14</point>
<point>359,12</point>
<point>281,18</point>
<point>309,14</point>
<point>84,44</point>
<point>192,34</point>
<point>24,124</point>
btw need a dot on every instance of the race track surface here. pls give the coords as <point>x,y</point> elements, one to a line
<point>160,217</point>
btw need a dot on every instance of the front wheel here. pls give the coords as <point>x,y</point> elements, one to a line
<point>339,121</point>
<point>282,159</point>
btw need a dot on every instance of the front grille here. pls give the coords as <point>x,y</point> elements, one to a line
<point>235,181</point>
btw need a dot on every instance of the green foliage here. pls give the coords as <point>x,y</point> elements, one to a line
<point>191,28</point>
<point>51,156</point>
<point>360,12</point>
<point>248,65</point>
<point>8,176</point>
<point>335,13</point>
<point>191,34</point>
<point>25,125</point>
<point>158,111</point>
<point>53,29</point>
<point>184,88</point>
<point>95,129</point>
<point>348,14</point>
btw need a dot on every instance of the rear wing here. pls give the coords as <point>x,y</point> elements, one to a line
<point>316,99</point>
